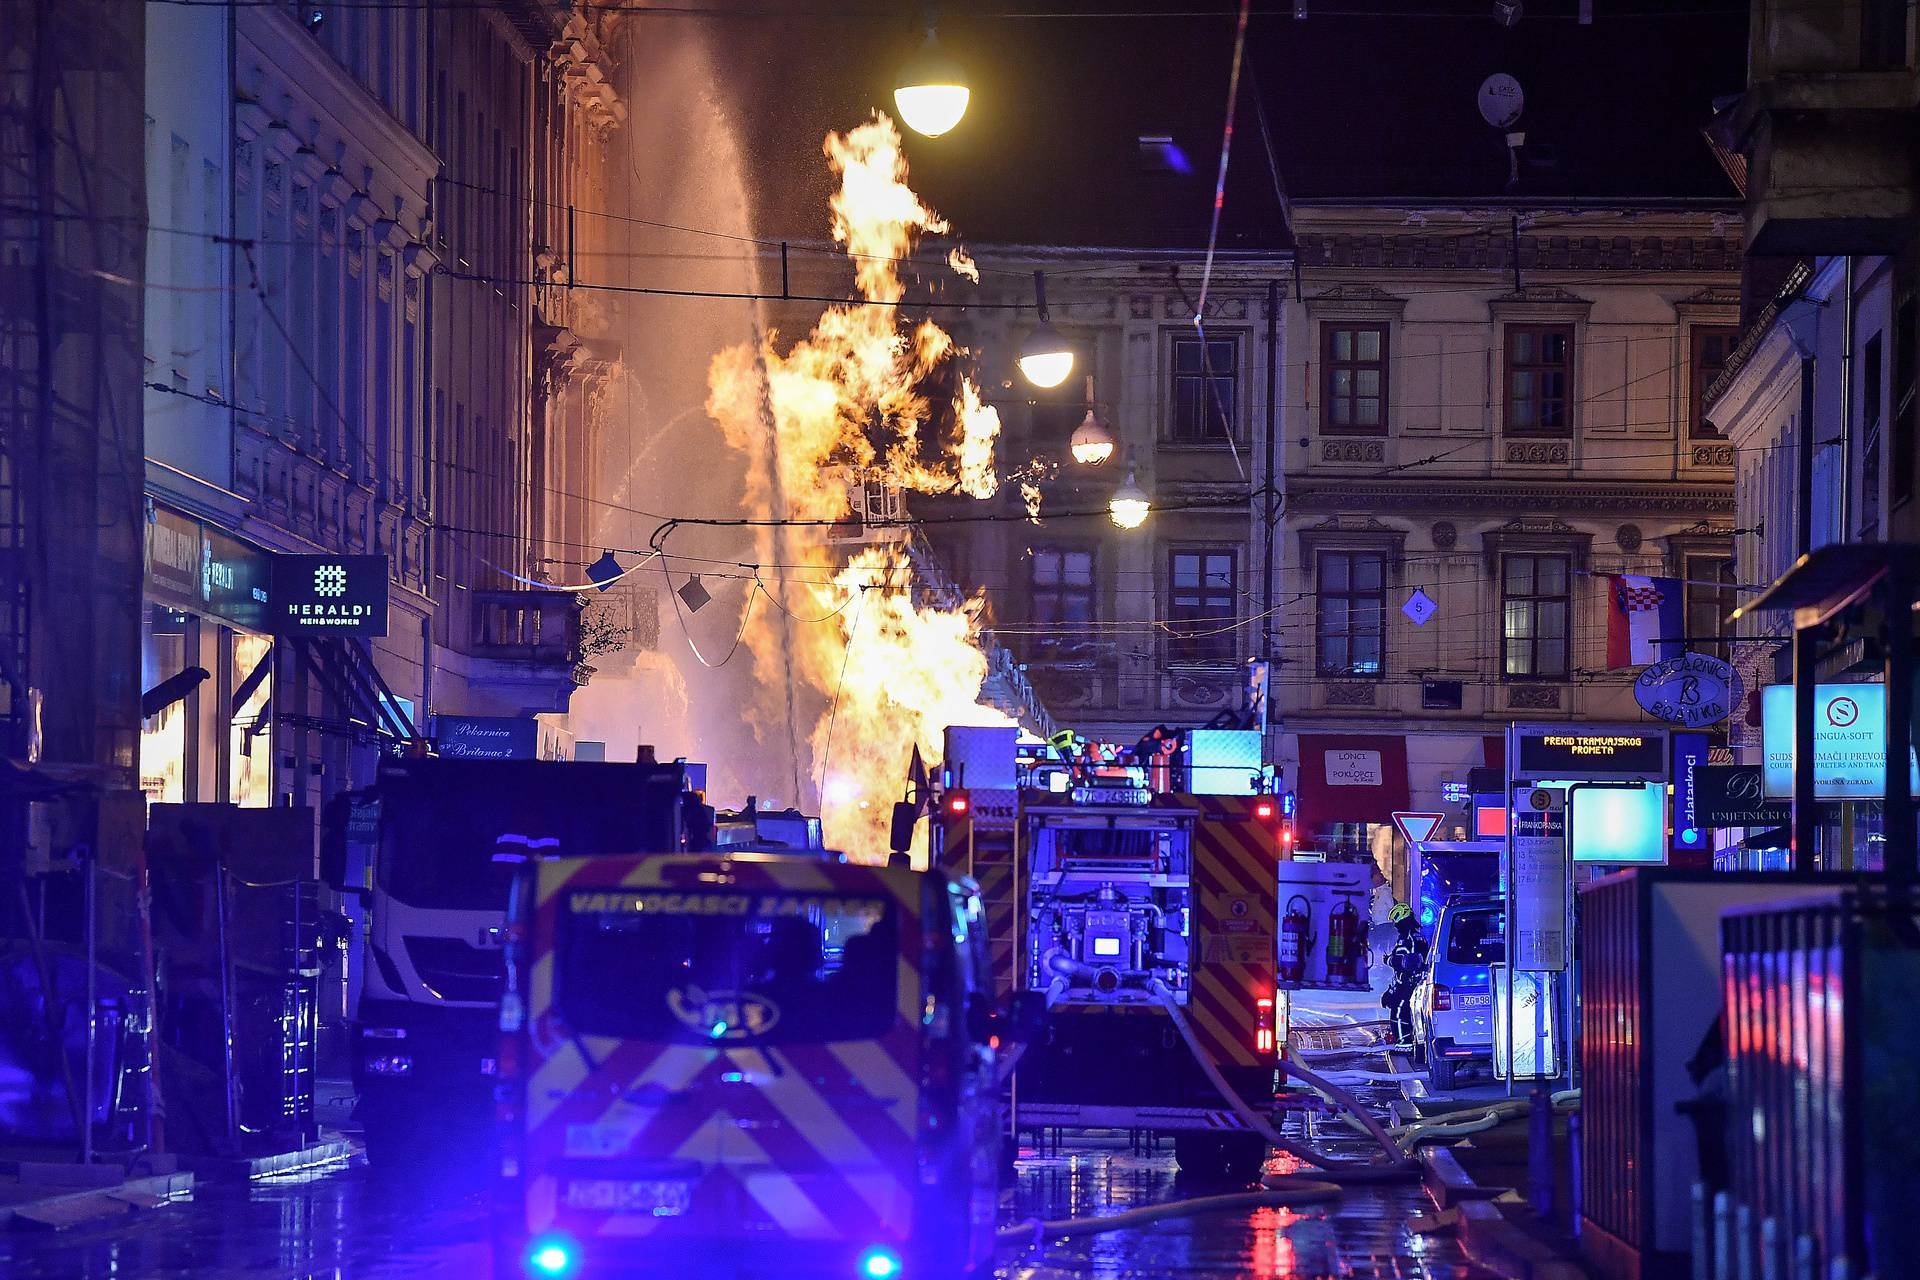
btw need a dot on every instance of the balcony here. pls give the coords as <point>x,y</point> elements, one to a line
<point>1828,128</point>
<point>523,651</point>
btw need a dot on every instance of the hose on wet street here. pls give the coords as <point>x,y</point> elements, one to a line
<point>1396,1164</point>
<point>1278,1192</point>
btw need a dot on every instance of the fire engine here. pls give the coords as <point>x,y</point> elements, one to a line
<point>1115,890</point>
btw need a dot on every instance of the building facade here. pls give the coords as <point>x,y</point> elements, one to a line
<point>1489,410</point>
<point>1125,629</point>
<point>342,347</point>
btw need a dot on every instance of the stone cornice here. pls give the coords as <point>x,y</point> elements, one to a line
<point>277,61</point>
<point>1494,251</point>
<point>1346,300</point>
<point>1506,497</point>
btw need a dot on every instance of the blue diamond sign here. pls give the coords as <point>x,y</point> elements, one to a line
<point>1420,607</point>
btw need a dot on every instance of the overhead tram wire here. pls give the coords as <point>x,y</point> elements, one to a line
<point>876,13</point>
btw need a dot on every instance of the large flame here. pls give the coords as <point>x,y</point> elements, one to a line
<point>843,406</point>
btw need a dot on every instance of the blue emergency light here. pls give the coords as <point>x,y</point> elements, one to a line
<point>879,1264</point>
<point>551,1257</point>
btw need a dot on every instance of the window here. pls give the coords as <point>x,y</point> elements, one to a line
<point>1902,424</point>
<point>1708,591</point>
<point>1539,379</point>
<point>1871,367</point>
<point>793,969</point>
<point>1711,347</point>
<point>1060,602</point>
<point>1205,374</point>
<point>1353,608</point>
<point>1354,383</point>
<point>1477,938</point>
<point>1535,598</point>
<point>1201,605</point>
<point>1883,35</point>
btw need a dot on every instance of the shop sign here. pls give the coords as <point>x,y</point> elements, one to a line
<point>235,580</point>
<point>1352,768</point>
<point>192,566</point>
<point>487,737</point>
<point>329,595</point>
<point>1692,689</point>
<point>1689,758</point>
<point>173,560</point>
<point>1735,795</point>
<point>1590,753</point>
<point>1849,741</point>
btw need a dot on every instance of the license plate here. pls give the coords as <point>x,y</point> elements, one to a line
<point>1480,1001</point>
<point>660,1197</point>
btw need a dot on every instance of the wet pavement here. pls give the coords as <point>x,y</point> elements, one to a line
<point>346,1223</point>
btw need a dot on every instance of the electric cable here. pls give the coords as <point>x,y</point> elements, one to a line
<point>833,715</point>
<point>746,616</point>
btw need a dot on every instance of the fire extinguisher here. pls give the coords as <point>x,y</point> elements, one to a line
<point>1296,935</point>
<point>1344,946</point>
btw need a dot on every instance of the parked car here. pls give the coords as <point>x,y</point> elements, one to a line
<point>1453,1002</point>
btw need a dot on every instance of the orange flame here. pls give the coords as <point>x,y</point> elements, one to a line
<point>842,407</point>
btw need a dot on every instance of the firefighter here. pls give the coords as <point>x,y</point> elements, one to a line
<point>1406,960</point>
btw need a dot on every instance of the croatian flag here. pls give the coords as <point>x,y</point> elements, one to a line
<point>1641,611</point>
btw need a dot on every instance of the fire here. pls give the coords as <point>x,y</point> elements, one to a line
<point>844,406</point>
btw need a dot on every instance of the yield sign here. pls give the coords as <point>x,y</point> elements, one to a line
<point>1416,827</point>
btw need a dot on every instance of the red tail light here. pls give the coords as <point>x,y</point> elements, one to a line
<point>1442,998</point>
<point>1264,810</point>
<point>956,804</point>
<point>1263,1024</point>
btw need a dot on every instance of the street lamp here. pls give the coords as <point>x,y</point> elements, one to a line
<point>1092,443</point>
<point>932,94</point>
<point>1045,357</point>
<point>1130,503</point>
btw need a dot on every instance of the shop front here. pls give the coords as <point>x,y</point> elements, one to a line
<point>207,662</point>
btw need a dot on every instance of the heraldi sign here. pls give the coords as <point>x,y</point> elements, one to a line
<point>1692,690</point>
<point>1735,795</point>
<point>329,595</point>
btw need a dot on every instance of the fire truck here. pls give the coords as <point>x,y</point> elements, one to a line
<point>1114,893</point>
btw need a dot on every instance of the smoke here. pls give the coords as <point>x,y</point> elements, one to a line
<point>811,672</point>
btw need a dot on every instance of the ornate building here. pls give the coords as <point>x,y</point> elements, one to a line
<point>350,350</point>
<point>1490,408</point>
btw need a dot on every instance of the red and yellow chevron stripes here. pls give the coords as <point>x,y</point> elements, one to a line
<point>1235,868</point>
<point>799,1140</point>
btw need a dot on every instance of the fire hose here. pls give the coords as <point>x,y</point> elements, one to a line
<point>1477,1120</point>
<point>1277,1190</point>
<point>1396,1164</point>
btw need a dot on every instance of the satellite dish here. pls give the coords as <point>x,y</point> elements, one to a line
<point>1501,100</point>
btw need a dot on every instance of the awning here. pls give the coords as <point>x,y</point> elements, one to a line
<point>1351,777</point>
<point>1771,838</point>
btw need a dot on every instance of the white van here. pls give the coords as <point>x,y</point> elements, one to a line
<point>1453,1004</point>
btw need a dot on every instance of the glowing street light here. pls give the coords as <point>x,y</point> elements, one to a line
<point>932,94</point>
<point>1130,504</point>
<point>1045,358</point>
<point>1092,443</point>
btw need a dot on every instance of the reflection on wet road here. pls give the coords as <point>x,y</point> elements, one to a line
<point>346,1223</point>
<point>342,1223</point>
